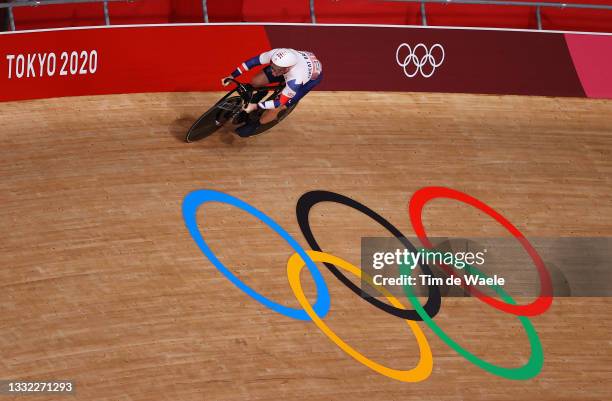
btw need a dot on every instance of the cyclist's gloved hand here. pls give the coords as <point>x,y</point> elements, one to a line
<point>226,81</point>
<point>250,107</point>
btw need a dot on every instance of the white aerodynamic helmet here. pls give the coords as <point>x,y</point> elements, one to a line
<point>284,58</point>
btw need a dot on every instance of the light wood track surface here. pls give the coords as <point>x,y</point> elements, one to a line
<point>102,284</point>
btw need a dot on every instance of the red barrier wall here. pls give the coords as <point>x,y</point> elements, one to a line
<point>225,10</point>
<point>327,11</point>
<point>151,12</point>
<point>381,12</point>
<point>189,58</point>
<point>474,61</point>
<point>155,12</point>
<point>367,12</point>
<point>579,20</point>
<point>92,14</point>
<point>276,11</point>
<point>481,16</point>
<point>58,16</point>
<point>127,60</point>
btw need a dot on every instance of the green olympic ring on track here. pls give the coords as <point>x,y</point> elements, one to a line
<point>531,369</point>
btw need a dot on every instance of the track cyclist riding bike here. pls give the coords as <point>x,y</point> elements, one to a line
<point>300,71</point>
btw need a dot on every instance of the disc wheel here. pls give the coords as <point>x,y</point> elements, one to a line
<point>281,116</point>
<point>213,119</point>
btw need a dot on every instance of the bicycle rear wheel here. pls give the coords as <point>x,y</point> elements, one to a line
<point>281,116</point>
<point>214,118</point>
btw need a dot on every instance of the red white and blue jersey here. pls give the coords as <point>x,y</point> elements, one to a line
<point>307,69</point>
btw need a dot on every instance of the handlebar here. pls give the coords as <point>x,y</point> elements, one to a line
<point>244,90</point>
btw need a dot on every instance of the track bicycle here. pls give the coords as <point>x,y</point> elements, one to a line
<point>230,109</point>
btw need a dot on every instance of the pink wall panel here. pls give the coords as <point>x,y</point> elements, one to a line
<point>592,57</point>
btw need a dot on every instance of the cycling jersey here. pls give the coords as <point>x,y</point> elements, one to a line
<point>298,80</point>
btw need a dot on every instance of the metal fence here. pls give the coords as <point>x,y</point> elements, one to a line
<point>313,16</point>
<point>537,5</point>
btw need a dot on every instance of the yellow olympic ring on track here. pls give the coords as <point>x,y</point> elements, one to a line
<point>417,374</point>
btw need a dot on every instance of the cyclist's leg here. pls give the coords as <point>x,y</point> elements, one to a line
<point>264,78</point>
<point>272,114</point>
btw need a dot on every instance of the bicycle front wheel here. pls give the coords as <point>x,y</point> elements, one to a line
<point>214,118</point>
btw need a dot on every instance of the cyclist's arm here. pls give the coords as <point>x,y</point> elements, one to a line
<point>290,90</point>
<point>263,58</point>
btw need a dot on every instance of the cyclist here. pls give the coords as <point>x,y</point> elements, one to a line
<point>300,71</point>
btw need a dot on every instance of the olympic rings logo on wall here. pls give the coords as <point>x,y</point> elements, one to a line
<point>425,313</point>
<point>413,63</point>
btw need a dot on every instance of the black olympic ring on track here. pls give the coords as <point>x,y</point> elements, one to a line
<point>309,199</point>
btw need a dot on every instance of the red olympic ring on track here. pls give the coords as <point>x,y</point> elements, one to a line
<point>415,209</point>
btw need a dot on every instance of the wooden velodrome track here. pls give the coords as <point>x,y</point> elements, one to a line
<point>102,284</point>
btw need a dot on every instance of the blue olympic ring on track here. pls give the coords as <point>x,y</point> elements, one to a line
<point>190,206</point>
